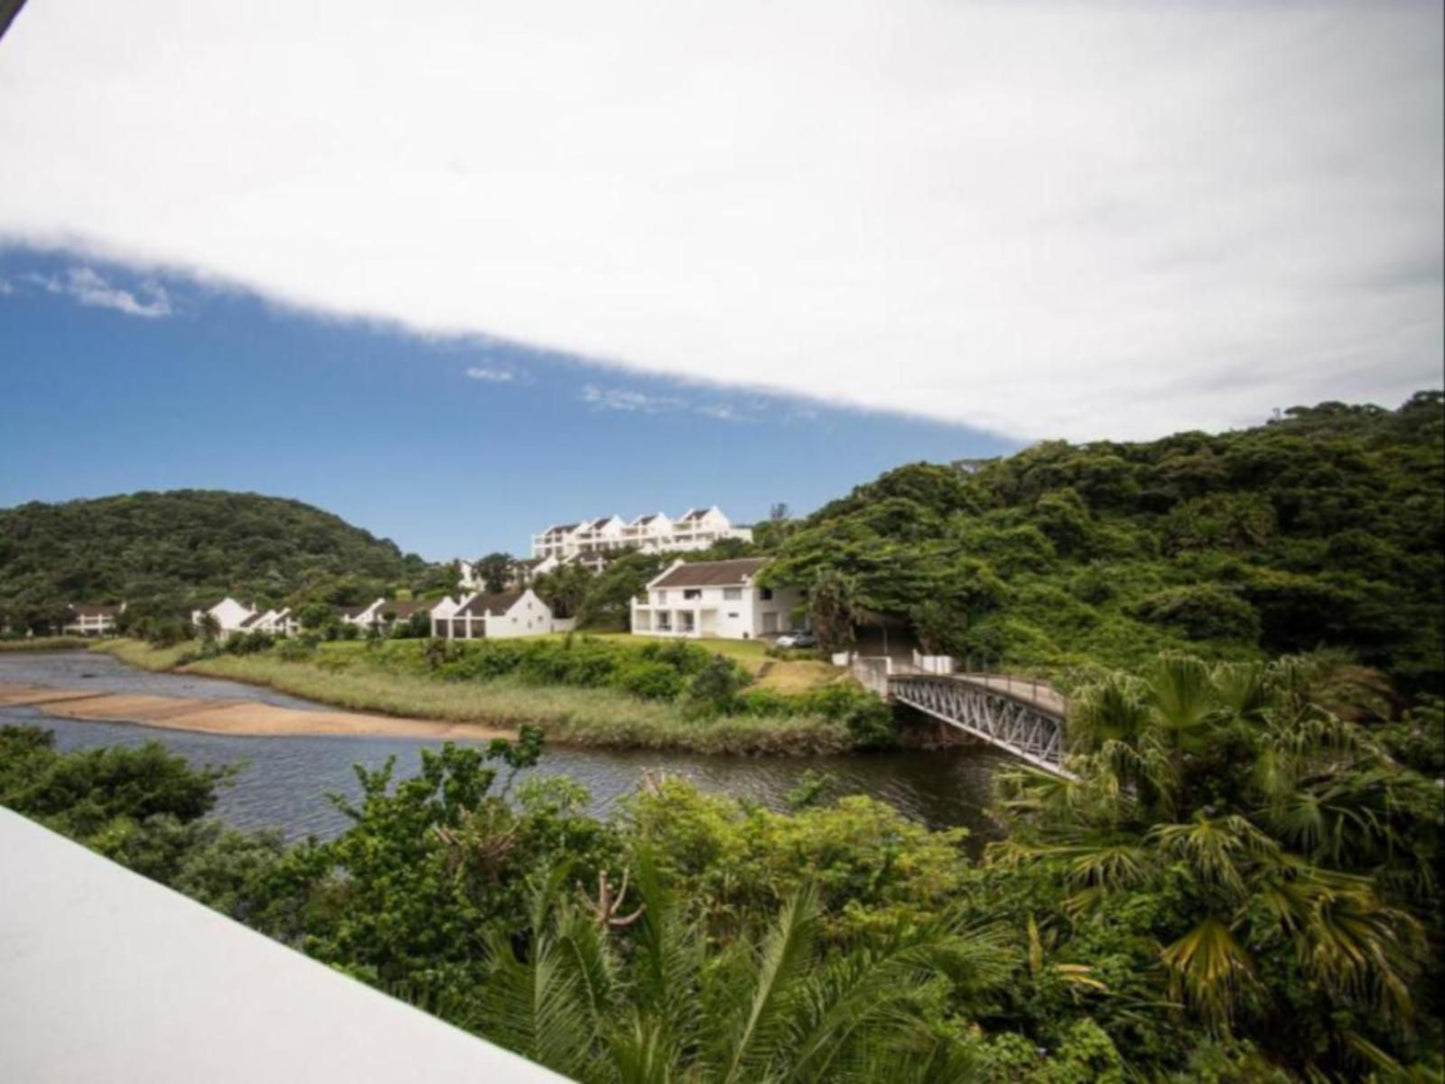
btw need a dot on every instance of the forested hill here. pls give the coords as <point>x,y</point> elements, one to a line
<point>169,551</point>
<point>1323,527</point>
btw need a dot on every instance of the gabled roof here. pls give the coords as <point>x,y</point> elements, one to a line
<point>694,514</point>
<point>481,605</point>
<point>642,521</point>
<point>598,524</point>
<point>406,607</point>
<point>711,573</point>
<point>562,528</point>
<point>95,611</point>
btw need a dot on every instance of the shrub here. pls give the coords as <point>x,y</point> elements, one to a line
<point>649,680</point>
<point>713,690</point>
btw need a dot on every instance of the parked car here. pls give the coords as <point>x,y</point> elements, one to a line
<point>801,638</point>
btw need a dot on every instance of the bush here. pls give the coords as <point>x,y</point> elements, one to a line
<point>649,680</point>
<point>713,690</point>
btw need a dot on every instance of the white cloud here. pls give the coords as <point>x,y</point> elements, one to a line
<point>5,287</point>
<point>628,400</point>
<point>491,376</point>
<point>1077,220</point>
<point>88,287</point>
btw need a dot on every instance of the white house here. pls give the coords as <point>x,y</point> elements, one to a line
<point>363,617</point>
<point>492,617</point>
<point>714,598</point>
<point>282,622</point>
<point>92,620</point>
<point>231,616</point>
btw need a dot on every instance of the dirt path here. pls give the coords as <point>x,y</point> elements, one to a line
<point>242,717</point>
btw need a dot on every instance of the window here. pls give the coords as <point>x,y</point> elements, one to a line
<point>661,597</point>
<point>732,594</point>
<point>765,593</point>
<point>734,616</point>
<point>692,593</point>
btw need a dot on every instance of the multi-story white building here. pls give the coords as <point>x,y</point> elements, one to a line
<point>592,540</point>
<point>714,598</point>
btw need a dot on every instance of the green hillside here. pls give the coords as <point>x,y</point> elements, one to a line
<point>169,551</point>
<point>1324,527</point>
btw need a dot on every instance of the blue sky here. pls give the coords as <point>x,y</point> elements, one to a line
<point>114,381</point>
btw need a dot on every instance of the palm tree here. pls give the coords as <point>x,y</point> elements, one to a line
<point>660,1001</point>
<point>1277,817</point>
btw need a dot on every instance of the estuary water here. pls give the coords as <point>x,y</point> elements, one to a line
<point>284,781</point>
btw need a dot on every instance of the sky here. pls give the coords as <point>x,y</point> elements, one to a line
<point>692,253</point>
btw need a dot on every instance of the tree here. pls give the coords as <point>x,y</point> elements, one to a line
<point>1258,816</point>
<point>834,609</point>
<point>495,570</point>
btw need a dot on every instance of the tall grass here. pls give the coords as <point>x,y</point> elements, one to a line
<point>142,655</point>
<point>46,643</point>
<point>354,679</point>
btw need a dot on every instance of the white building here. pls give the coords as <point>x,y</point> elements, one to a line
<point>231,616</point>
<point>714,598</point>
<point>491,617</point>
<point>282,622</point>
<point>92,620</point>
<point>235,617</point>
<point>590,541</point>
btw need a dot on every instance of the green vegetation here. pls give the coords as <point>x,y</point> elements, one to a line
<point>167,553</point>
<point>1325,527</point>
<point>581,690</point>
<point>1239,887</point>
<point>45,643</point>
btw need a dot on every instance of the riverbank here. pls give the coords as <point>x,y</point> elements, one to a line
<point>241,718</point>
<point>46,643</point>
<point>348,677</point>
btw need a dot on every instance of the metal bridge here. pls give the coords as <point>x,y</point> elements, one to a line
<point>1022,717</point>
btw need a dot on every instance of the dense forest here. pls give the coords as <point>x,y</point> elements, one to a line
<point>1324,527</point>
<point>168,552</point>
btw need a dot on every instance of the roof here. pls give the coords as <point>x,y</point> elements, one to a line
<point>711,573</point>
<point>499,603</point>
<point>405,608</point>
<point>598,524</point>
<point>95,611</point>
<point>355,611</point>
<point>641,520</point>
<point>562,528</point>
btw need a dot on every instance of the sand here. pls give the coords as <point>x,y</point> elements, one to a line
<point>248,718</point>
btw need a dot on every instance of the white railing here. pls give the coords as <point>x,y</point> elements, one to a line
<point>933,664</point>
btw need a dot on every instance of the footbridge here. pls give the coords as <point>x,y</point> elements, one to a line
<point>1022,717</point>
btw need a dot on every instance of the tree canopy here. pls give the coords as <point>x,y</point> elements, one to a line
<point>1324,527</point>
<point>171,551</point>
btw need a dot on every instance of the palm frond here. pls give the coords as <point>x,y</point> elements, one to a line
<point>1210,970</point>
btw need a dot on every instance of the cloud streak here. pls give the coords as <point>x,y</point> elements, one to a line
<point>1047,220</point>
<point>89,287</point>
<point>491,376</point>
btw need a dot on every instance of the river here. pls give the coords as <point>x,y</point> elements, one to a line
<point>284,780</point>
